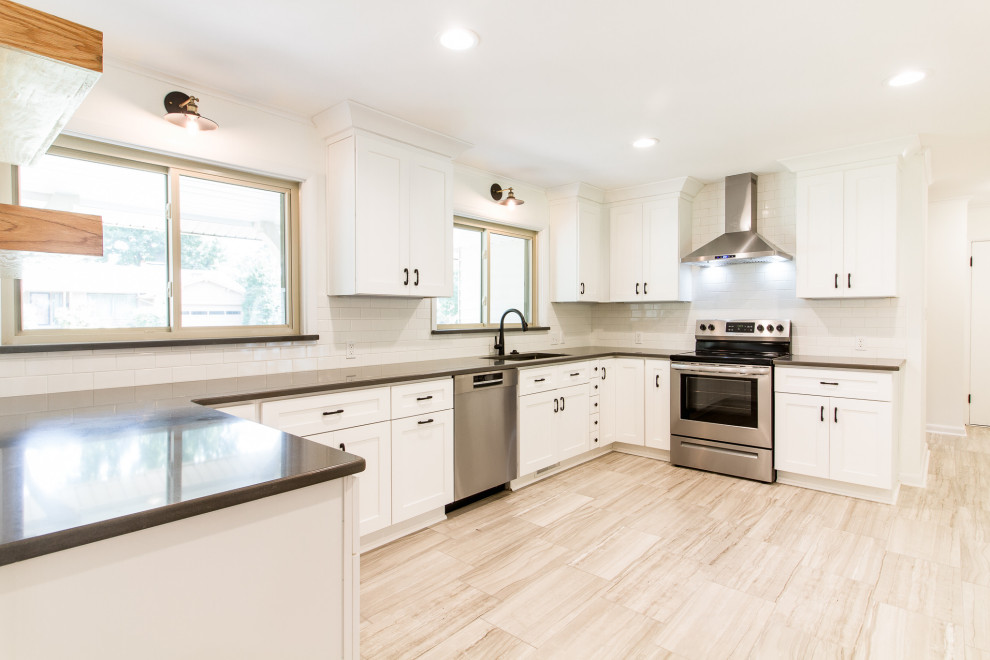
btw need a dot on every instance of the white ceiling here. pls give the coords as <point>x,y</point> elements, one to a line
<point>556,90</point>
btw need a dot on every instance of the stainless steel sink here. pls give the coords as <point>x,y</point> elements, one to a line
<point>514,357</point>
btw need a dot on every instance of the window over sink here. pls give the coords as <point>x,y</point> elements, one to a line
<point>494,268</point>
<point>189,251</point>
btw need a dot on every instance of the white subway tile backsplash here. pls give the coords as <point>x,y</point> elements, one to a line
<point>69,382</point>
<point>153,376</point>
<point>106,379</point>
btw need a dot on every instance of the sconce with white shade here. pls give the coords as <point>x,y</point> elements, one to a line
<point>183,110</point>
<point>510,197</point>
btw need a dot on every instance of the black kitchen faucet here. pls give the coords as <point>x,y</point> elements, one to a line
<point>500,337</point>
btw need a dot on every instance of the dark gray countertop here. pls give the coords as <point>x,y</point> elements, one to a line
<point>78,467</point>
<point>870,364</point>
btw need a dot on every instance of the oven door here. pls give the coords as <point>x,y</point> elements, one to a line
<point>724,402</point>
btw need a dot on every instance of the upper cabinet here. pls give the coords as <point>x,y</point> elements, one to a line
<point>390,210</point>
<point>48,66</point>
<point>646,242</point>
<point>391,219</point>
<point>578,245</point>
<point>847,232</point>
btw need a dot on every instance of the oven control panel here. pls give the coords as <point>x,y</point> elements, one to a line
<point>756,329</point>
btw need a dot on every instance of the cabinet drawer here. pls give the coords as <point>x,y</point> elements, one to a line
<point>327,412</point>
<point>593,423</point>
<point>416,398</point>
<point>537,379</point>
<point>846,383</point>
<point>594,404</point>
<point>573,373</point>
<point>594,387</point>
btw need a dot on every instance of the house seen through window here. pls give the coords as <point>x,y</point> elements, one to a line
<point>185,252</point>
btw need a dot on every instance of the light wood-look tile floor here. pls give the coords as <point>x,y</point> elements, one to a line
<point>626,557</point>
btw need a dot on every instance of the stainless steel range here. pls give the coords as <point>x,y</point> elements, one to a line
<point>721,397</point>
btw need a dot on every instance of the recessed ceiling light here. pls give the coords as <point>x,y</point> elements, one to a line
<point>645,142</point>
<point>458,39</point>
<point>906,78</point>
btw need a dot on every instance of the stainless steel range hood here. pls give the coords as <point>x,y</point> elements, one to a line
<point>740,244</point>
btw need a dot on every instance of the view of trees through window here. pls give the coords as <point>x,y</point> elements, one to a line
<point>230,267</point>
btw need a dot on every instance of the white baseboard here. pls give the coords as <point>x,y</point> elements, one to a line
<point>946,429</point>
<point>404,528</point>
<point>881,495</point>
<point>567,464</point>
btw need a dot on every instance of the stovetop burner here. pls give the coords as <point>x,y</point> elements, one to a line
<point>756,342</point>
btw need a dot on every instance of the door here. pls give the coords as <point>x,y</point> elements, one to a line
<point>626,253</point>
<point>570,424</point>
<point>661,258</point>
<point>606,401</point>
<point>819,235</point>
<point>656,393</point>
<point>373,443</point>
<point>382,232</point>
<point>628,384</point>
<point>590,285</point>
<point>422,464</point>
<point>861,442</point>
<point>801,434</point>
<point>536,440</point>
<point>979,353</point>
<point>869,232</point>
<point>431,226</point>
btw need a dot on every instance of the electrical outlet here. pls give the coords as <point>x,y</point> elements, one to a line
<point>351,352</point>
<point>860,343</point>
<point>560,336</point>
<point>638,337</point>
<point>554,339</point>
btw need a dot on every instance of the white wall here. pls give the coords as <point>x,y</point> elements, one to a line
<point>978,226</point>
<point>125,107</point>
<point>948,293</point>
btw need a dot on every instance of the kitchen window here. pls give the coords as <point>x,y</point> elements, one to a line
<point>493,272</point>
<point>188,252</point>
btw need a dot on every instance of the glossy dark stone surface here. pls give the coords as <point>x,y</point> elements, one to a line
<point>868,364</point>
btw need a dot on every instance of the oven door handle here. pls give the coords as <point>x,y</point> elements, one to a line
<point>735,371</point>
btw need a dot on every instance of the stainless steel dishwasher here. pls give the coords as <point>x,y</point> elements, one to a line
<point>485,433</point>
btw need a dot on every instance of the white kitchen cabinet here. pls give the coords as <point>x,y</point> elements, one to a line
<point>578,251</point>
<point>628,383</point>
<point>553,426</point>
<point>646,242</point>
<point>847,232</point>
<point>319,413</point>
<point>422,464</point>
<point>848,440</point>
<point>390,218</point>
<point>606,401</point>
<point>656,393</point>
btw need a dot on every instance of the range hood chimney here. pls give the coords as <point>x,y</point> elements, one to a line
<point>739,244</point>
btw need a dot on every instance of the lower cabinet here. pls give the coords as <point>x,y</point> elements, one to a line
<point>553,426</point>
<point>422,464</point>
<point>627,375</point>
<point>605,389</point>
<point>656,393</point>
<point>373,443</point>
<point>848,440</point>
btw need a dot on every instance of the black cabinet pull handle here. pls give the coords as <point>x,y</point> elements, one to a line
<point>823,414</point>
<point>849,281</point>
<point>406,282</point>
<point>582,288</point>
<point>644,288</point>
<point>658,380</point>
<point>342,447</point>
<point>556,405</point>
<point>333,412</point>
<point>424,398</point>
<point>825,382</point>
<point>416,272</point>
<point>637,288</point>
<point>836,414</point>
<point>425,421</point>
<point>603,373</point>
<point>576,373</point>
<point>836,280</point>
<point>561,404</point>
<point>539,380</point>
